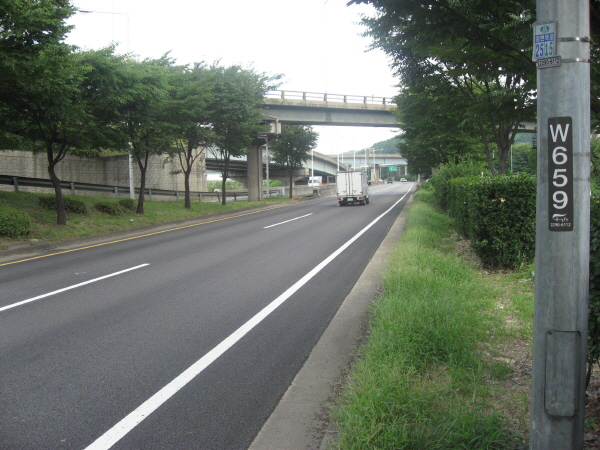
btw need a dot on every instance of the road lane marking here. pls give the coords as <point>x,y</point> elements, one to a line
<point>118,431</point>
<point>68,288</point>
<point>152,234</point>
<point>281,223</point>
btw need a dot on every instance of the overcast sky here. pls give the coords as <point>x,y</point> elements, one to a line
<point>315,44</point>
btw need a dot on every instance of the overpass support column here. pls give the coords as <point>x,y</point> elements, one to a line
<point>255,175</point>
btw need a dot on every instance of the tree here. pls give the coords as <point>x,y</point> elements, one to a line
<point>29,26</point>
<point>291,148</point>
<point>139,113</point>
<point>40,82</point>
<point>51,106</point>
<point>236,112</point>
<point>189,111</point>
<point>480,50</point>
<point>433,134</point>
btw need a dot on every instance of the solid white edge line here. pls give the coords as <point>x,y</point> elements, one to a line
<point>68,288</point>
<point>118,431</point>
<point>291,220</point>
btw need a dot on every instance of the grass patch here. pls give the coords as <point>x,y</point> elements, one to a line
<point>44,228</point>
<point>431,375</point>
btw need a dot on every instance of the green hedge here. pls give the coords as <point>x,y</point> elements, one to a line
<point>502,217</point>
<point>594,299</point>
<point>497,214</point>
<point>448,172</point>
<point>14,223</point>
<point>71,205</point>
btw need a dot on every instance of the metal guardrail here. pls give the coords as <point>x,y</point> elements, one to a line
<point>299,95</point>
<point>115,190</point>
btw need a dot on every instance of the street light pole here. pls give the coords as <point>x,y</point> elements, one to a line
<point>116,14</point>
<point>130,162</point>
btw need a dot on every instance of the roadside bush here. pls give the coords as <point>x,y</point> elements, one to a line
<point>47,202</point>
<point>114,209</point>
<point>447,172</point>
<point>593,355</point>
<point>497,214</point>
<point>460,198</point>
<point>14,223</point>
<point>71,205</point>
<point>502,217</point>
<point>127,204</point>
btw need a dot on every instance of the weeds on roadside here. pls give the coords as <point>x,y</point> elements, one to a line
<point>421,379</point>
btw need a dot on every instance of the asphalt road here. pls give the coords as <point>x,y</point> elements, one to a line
<point>181,339</point>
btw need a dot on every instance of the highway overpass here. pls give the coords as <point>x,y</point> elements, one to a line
<point>310,108</point>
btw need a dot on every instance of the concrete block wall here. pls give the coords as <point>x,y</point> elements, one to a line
<point>109,170</point>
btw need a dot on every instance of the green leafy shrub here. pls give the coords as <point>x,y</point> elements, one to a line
<point>114,209</point>
<point>127,204</point>
<point>498,215</point>
<point>502,216</point>
<point>460,197</point>
<point>75,206</point>
<point>71,204</point>
<point>47,202</point>
<point>14,223</point>
<point>593,355</point>
<point>447,172</point>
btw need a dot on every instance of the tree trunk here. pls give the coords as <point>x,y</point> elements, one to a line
<point>61,213</point>
<point>187,172</point>
<point>504,144</point>
<point>486,147</point>
<point>186,186</point>
<point>225,174</point>
<point>291,184</point>
<point>143,165</point>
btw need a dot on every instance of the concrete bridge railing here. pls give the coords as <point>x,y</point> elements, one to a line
<point>325,97</point>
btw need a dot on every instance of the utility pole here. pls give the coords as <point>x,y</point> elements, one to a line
<point>561,49</point>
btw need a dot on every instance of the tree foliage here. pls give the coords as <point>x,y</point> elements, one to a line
<point>60,100</point>
<point>236,115</point>
<point>190,112</point>
<point>478,52</point>
<point>433,134</point>
<point>138,111</point>
<point>52,107</point>
<point>291,148</point>
<point>28,26</point>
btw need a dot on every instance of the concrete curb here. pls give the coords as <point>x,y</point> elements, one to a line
<point>301,419</point>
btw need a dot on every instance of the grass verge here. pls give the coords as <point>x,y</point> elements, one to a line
<point>44,226</point>
<point>437,371</point>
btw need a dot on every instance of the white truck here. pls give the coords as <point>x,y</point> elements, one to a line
<point>352,187</point>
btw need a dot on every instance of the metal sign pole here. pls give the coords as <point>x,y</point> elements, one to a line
<point>561,49</point>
